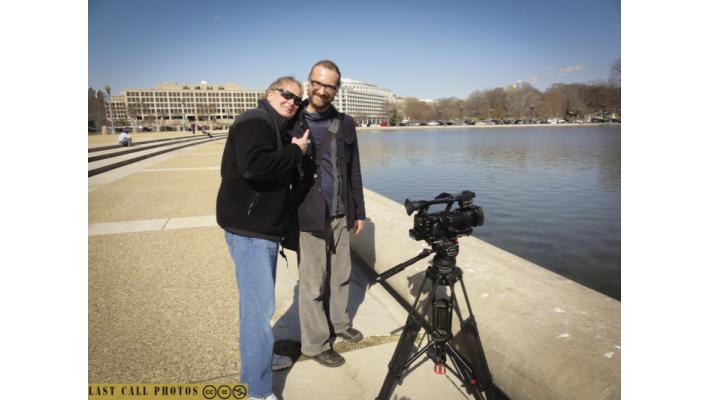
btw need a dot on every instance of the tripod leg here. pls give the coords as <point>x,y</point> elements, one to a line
<point>467,376</point>
<point>474,349</point>
<point>465,373</point>
<point>399,358</point>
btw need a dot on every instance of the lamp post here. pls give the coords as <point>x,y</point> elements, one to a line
<point>183,115</point>
<point>110,112</point>
<point>531,111</point>
<point>460,113</point>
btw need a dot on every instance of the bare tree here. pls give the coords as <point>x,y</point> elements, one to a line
<point>418,110</point>
<point>615,73</point>
<point>520,99</point>
<point>97,109</point>
<point>496,103</point>
<point>477,104</point>
<point>449,108</point>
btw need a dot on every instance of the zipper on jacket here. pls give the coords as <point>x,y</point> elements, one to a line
<point>253,203</point>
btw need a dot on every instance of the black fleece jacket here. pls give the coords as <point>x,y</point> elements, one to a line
<point>258,165</point>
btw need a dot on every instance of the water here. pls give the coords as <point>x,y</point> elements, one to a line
<point>549,194</point>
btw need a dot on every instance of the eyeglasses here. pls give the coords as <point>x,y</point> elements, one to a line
<point>289,96</point>
<point>318,85</point>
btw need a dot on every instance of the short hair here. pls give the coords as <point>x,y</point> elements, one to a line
<point>278,83</point>
<point>327,64</point>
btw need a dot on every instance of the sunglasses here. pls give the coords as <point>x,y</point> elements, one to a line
<point>290,96</point>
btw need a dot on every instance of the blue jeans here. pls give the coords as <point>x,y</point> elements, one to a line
<point>255,262</point>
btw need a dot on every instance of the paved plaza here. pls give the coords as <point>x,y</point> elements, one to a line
<point>163,297</point>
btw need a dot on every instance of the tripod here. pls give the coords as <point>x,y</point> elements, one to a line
<point>470,365</point>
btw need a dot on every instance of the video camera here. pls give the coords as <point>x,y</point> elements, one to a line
<point>446,224</point>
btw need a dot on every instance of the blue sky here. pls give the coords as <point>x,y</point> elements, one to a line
<point>427,49</point>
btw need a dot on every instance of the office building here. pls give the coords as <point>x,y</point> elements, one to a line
<point>365,102</point>
<point>117,108</point>
<point>184,102</point>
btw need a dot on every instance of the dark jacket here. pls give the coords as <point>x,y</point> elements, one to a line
<point>258,167</point>
<point>311,202</point>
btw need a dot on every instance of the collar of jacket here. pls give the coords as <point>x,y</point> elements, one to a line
<point>275,116</point>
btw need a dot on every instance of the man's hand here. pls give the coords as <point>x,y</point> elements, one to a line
<point>359,224</point>
<point>303,141</point>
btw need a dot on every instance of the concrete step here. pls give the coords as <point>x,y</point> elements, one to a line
<point>107,164</point>
<point>107,149</point>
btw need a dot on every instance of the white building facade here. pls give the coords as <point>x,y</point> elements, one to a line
<point>365,102</point>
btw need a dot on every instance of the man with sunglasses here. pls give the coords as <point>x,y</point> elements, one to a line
<point>258,167</point>
<point>330,205</point>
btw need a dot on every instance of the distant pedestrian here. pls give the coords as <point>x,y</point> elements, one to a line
<point>125,139</point>
<point>193,128</point>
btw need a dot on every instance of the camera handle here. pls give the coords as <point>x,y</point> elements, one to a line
<point>400,267</point>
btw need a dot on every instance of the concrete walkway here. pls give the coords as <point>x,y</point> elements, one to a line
<point>163,298</point>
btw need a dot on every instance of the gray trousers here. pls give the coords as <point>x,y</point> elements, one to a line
<point>324,278</point>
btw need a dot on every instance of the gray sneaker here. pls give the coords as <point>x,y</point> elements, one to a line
<point>279,362</point>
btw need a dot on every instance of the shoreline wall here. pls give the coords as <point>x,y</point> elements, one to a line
<point>544,336</point>
<point>374,129</point>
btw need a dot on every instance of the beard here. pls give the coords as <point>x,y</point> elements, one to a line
<point>320,102</point>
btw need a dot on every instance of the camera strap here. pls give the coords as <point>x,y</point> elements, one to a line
<point>332,130</point>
